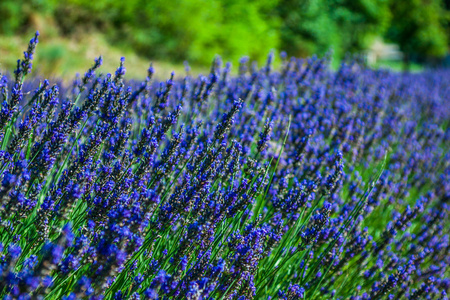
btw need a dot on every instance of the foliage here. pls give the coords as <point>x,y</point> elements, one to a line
<point>313,26</point>
<point>359,21</point>
<point>417,27</point>
<point>307,27</point>
<point>197,30</point>
<point>298,183</point>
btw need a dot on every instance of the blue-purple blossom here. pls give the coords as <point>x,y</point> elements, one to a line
<point>291,182</point>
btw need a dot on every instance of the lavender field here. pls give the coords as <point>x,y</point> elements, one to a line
<point>297,182</point>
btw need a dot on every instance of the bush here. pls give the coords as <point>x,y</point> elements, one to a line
<point>292,183</point>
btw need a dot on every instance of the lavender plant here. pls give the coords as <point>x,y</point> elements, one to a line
<point>298,183</point>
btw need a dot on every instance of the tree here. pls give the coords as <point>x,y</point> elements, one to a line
<point>314,26</point>
<point>359,21</point>
<point>418,28</point>
<point>307,27</point>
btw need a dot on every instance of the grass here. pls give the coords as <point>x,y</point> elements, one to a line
<point>65,57</point>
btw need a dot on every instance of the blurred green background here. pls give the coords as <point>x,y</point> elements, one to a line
<point>397,33</point>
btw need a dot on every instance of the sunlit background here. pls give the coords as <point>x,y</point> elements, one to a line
<point>403,35</point>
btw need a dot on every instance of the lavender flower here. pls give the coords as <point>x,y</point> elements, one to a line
<point>298,183</point>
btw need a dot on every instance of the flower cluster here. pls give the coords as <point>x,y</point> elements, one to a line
<point>296,182</point>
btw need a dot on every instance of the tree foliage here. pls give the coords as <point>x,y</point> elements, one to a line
<point>196,30</point>
<point>313,26</point>
<point>418,27</point>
